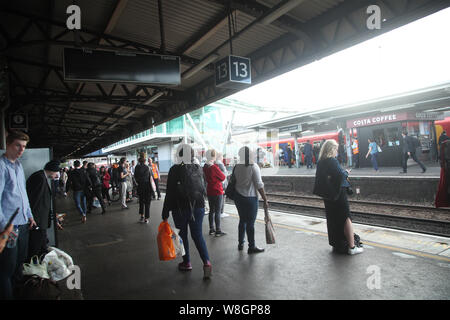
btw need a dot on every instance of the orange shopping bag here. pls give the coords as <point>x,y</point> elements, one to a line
<point>166,247</point>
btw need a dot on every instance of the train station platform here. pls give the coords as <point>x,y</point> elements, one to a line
<point>118,258</point>
<point>433,170</point>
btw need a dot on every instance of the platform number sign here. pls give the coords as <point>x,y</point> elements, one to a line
<point>233,72</point>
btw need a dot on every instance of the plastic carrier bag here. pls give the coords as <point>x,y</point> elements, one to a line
<point>36,267</point>
<point>58,264</point>
<point>178,243</point>
<point>166,247</point>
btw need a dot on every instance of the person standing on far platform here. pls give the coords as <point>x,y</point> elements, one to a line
<point>355,152</point>
<point>331,184</point>
<point>308,152</point>
<point>289,156</point>
<point>409,150</point>
<point>373,151</point>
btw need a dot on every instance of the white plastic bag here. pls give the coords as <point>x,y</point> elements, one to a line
<point>58,264</point>
<point>178,244</point>
<point>36,267</point>
<point>96,203</point>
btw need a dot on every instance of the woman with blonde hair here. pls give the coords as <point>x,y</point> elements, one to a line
<point>331,184</point>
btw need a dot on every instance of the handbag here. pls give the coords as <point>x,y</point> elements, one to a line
<point>270,231</point>
<point>231,188</point>
<point>349,189</point>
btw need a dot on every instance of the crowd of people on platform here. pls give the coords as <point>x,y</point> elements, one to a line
<point>92,187</point>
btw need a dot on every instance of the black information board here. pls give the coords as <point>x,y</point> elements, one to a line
<point>109,66</point>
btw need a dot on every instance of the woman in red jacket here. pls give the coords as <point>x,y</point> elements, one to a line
<point>104,175</point>
<point>214,191</point>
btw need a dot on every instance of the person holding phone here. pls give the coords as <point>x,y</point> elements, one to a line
<point>40,196</point>
<point>13,194</point>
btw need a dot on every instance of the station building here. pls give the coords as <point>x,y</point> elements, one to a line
<point>382,119</point>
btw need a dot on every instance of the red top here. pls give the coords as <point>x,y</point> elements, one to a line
<point>214,178</point>
<point>106,179</point>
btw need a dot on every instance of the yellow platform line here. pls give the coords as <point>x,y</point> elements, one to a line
<point>370,243</point>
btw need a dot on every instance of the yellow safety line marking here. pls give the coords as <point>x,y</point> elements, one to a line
<point>374,244</point>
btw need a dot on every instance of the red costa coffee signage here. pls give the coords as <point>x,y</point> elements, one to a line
<point>378,119</point>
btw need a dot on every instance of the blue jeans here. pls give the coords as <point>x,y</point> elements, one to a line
<point>195,225</point>
<point>247,208</point>
<point>11,260</point>
<point>80,201</point>
<point>215,208</point>
<point>373,159</point>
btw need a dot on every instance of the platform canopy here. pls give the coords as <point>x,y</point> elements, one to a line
<point>79,117</point>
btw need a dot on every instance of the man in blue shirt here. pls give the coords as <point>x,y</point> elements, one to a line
<point>13,195</point>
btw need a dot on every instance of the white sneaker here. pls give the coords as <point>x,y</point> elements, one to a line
<point>355,250</point>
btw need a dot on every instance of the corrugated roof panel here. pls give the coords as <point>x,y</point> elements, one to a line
<point>182,19</point>
<point>306,10</point>
<point>139,23</point>
<point>257,36</point>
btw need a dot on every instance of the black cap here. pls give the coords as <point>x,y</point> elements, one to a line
<point>52,165</point>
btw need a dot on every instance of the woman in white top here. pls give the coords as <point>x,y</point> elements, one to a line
<point>248,184</point>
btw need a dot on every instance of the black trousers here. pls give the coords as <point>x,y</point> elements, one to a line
<point>11,262</point>
<point>414,157</point>
<point>105,193</point>
<point>96,192</point>
<point>356,160</point>
<point>144,190</point>
<point>37,243</point>
<point>157,189</point>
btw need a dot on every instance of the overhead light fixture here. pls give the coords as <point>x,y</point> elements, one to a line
<point>154,97</point>
<point>271,17</point>
<point>199,66</point>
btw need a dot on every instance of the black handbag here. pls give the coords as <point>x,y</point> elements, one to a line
<point>349,189</point>
<point>231,188</point>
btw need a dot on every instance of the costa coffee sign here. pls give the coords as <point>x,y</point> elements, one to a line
<point>376,120</point>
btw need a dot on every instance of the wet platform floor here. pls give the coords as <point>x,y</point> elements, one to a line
<point>118,258</point>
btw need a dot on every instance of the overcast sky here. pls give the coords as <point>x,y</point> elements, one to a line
<point>414,56</point>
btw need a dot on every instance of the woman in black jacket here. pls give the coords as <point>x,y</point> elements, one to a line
<point>331,184</point>
<point>144,188</point>
<point>185,198</point>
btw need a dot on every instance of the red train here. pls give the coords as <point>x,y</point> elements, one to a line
<point>274,146</point>
<point>277,145</point>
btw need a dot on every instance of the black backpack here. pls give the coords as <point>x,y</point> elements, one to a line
<point>191,185</point>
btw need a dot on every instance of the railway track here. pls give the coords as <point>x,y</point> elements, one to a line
<point>414,218</point>
<point>397,216</point>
